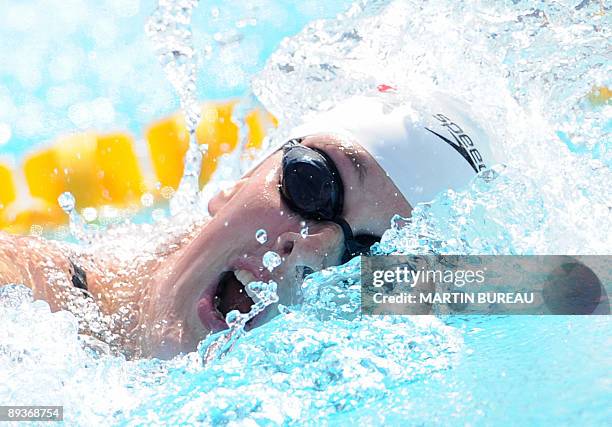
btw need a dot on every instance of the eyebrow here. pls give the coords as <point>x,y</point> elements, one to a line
<point>356,159</point>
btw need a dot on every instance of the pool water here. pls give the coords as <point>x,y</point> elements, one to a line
<point>526,68</point>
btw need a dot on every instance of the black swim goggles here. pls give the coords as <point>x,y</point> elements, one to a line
<point>311,186</point>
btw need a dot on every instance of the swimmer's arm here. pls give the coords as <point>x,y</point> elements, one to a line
<point>36,263</point>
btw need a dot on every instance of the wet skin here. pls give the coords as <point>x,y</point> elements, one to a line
<point>172,294</point>
<point>184,287</point>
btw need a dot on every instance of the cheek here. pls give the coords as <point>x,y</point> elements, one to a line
<point>259,201</point>
<point>374,207</point>
<point>259,192</point>
<point>259,206</point>
<point>362,202</point>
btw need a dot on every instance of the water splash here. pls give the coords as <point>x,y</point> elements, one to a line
<point>78,227</point>
<point>169,29</point>
<point>542,187</point>
<point>303,230</point>
<point>216,346</point>
<point>321,361</point>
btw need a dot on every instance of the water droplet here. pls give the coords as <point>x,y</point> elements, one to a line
<point>147,200</point>
<point>90,214</point>
<point>169,29</point>
<point>283,309</point>
<point>66,202</point>
<point>271,260</point>
<point>255,287</point>
<point>398,222</point>
<point>233,317</point>
<point>261,236</point>
<point>304,232</point>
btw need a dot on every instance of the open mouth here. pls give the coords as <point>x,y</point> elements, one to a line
<point>231,295</point>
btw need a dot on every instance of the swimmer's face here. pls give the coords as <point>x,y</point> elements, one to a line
<point>205,279</point>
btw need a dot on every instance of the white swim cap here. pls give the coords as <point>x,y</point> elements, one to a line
<point>424,146</point>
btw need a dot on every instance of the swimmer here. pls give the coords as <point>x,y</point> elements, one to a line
<point>342,175</point>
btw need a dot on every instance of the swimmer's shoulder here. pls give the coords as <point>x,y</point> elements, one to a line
<point>11,270</point>
<point>32,261</point>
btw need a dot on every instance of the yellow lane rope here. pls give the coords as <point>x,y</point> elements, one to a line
<point>114,169</point>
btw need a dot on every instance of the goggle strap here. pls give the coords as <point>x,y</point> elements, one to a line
<point>349,242</point>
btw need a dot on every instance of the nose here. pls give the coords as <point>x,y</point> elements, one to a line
<point>320,248</point>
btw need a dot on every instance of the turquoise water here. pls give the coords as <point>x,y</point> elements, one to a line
<point>513,371</point>
<point>298,369</point>
<point>526,68</point>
